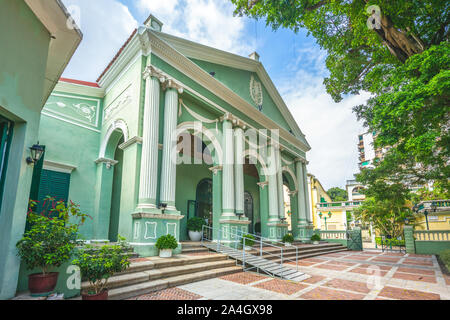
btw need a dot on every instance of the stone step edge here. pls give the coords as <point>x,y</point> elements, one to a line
<point>148,265</point>
<point>156,285</point>
<point>154,274</point>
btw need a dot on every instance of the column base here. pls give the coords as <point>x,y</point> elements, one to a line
<point>277,230</point>
<point>229,228</point>
<point>148,227</point>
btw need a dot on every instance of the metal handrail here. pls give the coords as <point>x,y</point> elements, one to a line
<point>239,237</point>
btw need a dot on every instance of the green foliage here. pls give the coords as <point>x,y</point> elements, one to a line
<point>387,216</point>
<point>390,242</point>
<point>249,240</point>
<point>195,224</point>
<point>445,257</point>
<point>52,236</point>
<point>98,264</point>
<point>315,237</point>
<point>288,237</point>
<point>438,193</point>
<point>166,242</point>
<point>404,65</point>
<point>337,194</point>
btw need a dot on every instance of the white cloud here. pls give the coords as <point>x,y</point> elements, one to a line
<point>104,33</point>
<point>209,22</point>
<point>330,128</point>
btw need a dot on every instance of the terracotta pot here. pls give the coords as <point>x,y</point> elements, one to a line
<point>99,296</point>
<point>41,285</point>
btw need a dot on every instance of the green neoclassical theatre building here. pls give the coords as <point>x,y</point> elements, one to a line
<point>114,146</point>
<point>110,145</point>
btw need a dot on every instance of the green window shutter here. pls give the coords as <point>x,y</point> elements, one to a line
<point>54,184</point>
<point>6,131</point>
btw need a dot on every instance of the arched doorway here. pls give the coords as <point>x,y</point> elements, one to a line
<point>116,193</point>
<point>204,201</point>
<point>248,210</point>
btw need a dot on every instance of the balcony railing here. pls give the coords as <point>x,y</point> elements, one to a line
<point>339,204</point>
<point>432,235</point>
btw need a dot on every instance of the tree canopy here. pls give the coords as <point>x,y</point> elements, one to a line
<point>337,194</point>
<point>396,50</point>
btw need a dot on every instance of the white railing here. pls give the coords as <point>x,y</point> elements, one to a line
<point>236,238</point>
<point>432,235</point>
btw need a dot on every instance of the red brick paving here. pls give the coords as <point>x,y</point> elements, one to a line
<point>355,286</point>
<point>386,259</point>
<point>281,286</point>
<point>404,294</point>
<point>417,271</point>
<point>418,263</point>
<point>321,293</point>
<point>331,267</point>
<point>414,277</point>
<point>169,294</point>
<point>342,263</point>
<point>375,266</point>
<point>314,260</point>
<point>369,271</point>
<point>313,279</point>
<point>243,277</point>
<point>355,257</point>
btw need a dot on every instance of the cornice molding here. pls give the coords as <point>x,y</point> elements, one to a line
<point>73,88</point>
<point>108,162</point>
<point>59,167</point>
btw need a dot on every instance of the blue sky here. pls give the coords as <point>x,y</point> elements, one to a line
<point>294,62</point>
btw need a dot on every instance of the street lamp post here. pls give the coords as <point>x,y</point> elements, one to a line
<point>329,216</point>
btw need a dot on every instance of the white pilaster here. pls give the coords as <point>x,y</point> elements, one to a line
<point>169,167</point>
<point>228,208</point>
<point>280,184</point>
<point>149,158</point>
<point>239,169</point>
<point>301,199</point>
<point>273,188</point>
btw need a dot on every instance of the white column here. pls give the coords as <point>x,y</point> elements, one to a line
<point>273,188</point>
<point>301,199</point>
<point>309,211</point>
<point>169,167</point>
<point>239,169</point>
<point>149,158</point>
<point>228,169</point>
<point>280,184</point>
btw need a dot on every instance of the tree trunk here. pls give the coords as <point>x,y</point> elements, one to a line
<point>398,42</point>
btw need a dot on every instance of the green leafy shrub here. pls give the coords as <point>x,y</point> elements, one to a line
<point>445,257</point>
<point>389,242</point>
<point>98,264</point>
<point>51,238</point>
<point>249,240</point>
<point>315,237</point>
<point>166,242</point>
<point>288,237</point>
<point>195,224</point>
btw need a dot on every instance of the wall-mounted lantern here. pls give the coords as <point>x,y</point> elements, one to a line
<point>36,152</point>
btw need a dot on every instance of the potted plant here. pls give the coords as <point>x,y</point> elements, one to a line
<point>166,244</point>
<point>288,239</point>
<point>315,238</point>
<point>248,241</point>
<point>49,242</point>
<point>194,226</point>
<point>98,264</point>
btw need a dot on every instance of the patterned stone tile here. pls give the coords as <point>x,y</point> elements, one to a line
<point>418,263</point>
<point>394,254</point>
<point>414,277</point>
<point>313,279</point>
<point>369,272</point>
<point>355,286</point>
<point>417,271</point>
<point>169,294</point>
<point>405,294</point>
<point>386,259</point>
<point>243,277</point>
<point>331,267</point>
<point>375,266</point>
<point>358,257</point>
<point>321,293</point>
<point>413,255</point>
<point>342,263</point>
<point>281,286</point>
<point>315,260</point>
<point>302,263</point>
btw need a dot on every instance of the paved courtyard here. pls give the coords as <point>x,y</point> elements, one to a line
<point>367,275</point>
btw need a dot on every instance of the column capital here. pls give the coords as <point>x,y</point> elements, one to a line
<point>151,71</point>
<point>216,169</point>
<point>302,160</point>
<point>172,84</point>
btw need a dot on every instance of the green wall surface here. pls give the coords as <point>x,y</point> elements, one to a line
<point>431,247</point>
<point>21,92</point>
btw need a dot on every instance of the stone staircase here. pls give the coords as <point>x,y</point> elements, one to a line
<point>304,251</point>
<point>193,247</point>
<point>146,275</point>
